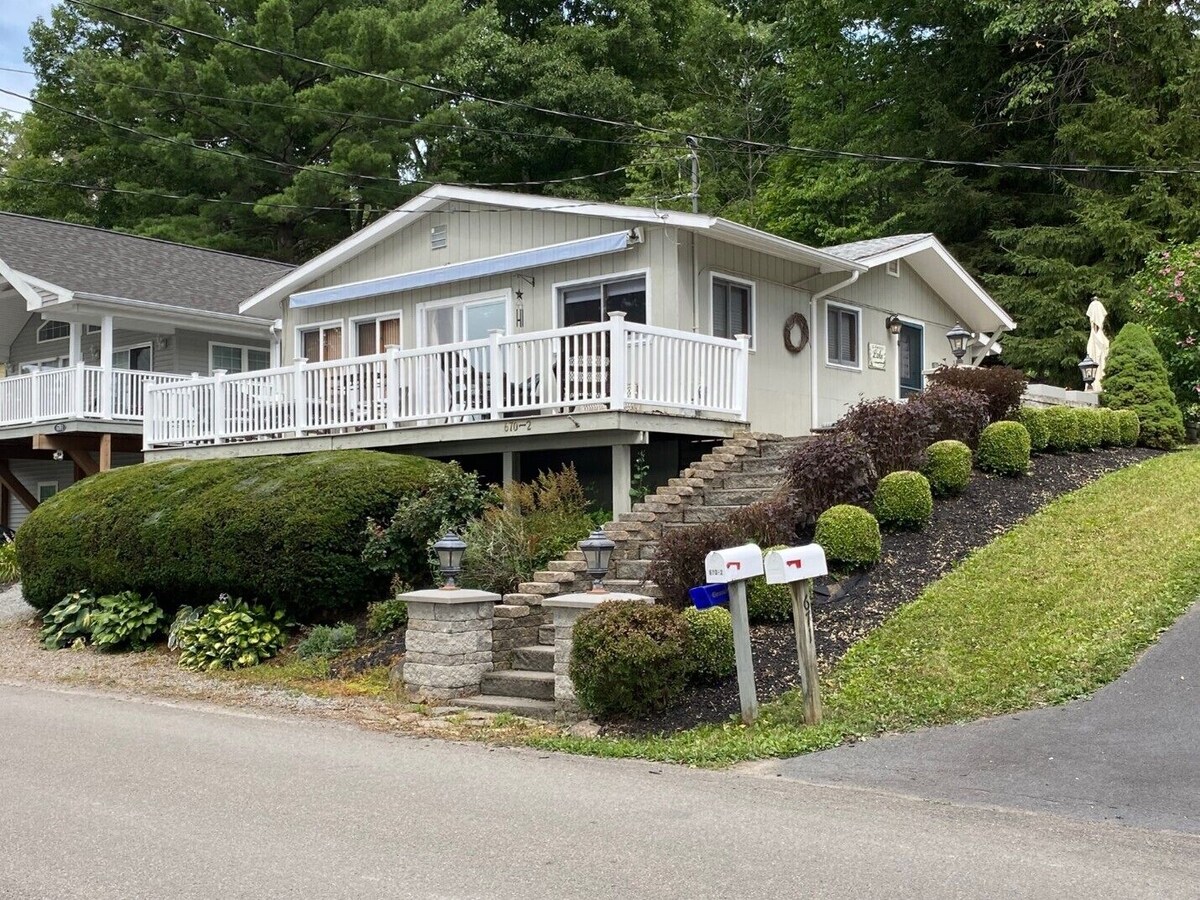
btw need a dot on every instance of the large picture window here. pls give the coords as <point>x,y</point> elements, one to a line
<point>732,308</point>
<point>843,331</point>
<point>587,304</point>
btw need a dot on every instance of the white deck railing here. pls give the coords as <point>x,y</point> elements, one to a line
<point>616,365</point>
<point>77,392</point>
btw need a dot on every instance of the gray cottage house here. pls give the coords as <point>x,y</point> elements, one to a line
<point>88,319</point>
<point>517,332</point>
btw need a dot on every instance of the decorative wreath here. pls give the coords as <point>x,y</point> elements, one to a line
<point>795,320</point>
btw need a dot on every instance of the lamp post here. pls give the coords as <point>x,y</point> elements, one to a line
<point>450,550</point>
<point>958,338</point>
<point>597,551</point>
<point>1087,368</point>
<point>893,324</point>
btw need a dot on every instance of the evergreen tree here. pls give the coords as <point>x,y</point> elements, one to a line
<point>1135,378</point>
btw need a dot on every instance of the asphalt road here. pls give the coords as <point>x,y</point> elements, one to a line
<point>109,798</point>
<point>1129,754</point>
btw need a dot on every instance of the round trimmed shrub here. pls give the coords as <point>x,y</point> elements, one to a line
<point>629,658</point>
<point>1130,425</point>
<point>1091,428</point>
<point>904,500</point>
<point>1110,427</point>
<point>948,468</point>
<point>1004,449</point>
<point>1034,420</point>
<point>278,530</point>
<point>849,535</point>
<point>711,633</point>
<point>1062,429</point>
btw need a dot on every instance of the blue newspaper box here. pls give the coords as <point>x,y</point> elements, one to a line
<point>708,595</point>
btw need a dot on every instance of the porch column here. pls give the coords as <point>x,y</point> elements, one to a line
<point>622,479</point>
<point>277,344</point>
<point>106,365</point>
<point>75,342</point>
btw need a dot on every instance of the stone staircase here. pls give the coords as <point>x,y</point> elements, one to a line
<point>736,473</point>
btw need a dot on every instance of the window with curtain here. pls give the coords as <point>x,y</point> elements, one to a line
<point>375,335</point>
<point>731,308</point>
<point>843,336</point>
<point>321,344</point>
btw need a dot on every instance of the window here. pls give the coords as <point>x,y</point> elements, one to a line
<point>46,490</point>
<point>321,343</point>
<point>589,304</point>
<point>843,336</point>
<point>91,329</point>
<point>893,268</point>
<point>138,359</point>
<point>374,335</point>
<point>42,365</point>
<point>233,358</point>
<point>52,331</point>
<point>732,308</point>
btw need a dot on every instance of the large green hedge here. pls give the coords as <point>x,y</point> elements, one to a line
<point>1136,378</point>
<point>285,530</point>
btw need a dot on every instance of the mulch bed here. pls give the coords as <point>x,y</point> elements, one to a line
<point>911,561</point>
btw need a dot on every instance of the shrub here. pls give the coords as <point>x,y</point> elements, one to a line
<point>1166,299</point>
<point>1130,427</point>
<point>1003,386</point>
<point>849,535</point>
<point>69,621</point>
<point>386,616</point>
<point>285,530</point>
<point>711,654</point>
<point>326,642</point>
<point>533,524</point>
<point>948,468</point>
<point>1110,427</point>
<point>957,414</point>
<point>629,658</point>
<point>1034,420</point>
<point>1062,429</point>
<point>895,434</point>
<point>768,603</point>
<point>10,569</point>
<point>904,500</point>
<point>1004,449</point>
<point>1135,377</point>
<point>1090,425</point>
<point>827,470</point>
<point>403,548</point>
<point>126,621</point>
<point>228,634</point>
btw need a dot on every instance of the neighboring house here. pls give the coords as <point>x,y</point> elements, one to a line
<point>516,333</point>
<point>89,317</point>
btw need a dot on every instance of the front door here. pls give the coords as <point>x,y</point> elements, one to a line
<point>912,360</point>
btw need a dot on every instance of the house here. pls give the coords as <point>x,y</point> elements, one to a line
<point>88,318</point>
<point>516,333</point>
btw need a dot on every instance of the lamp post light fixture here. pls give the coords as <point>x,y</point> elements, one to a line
<point>597,551</point>
<point>450,550</point>
<point>958,337</point>
<point>1087,368</point>
<point>893,324</point>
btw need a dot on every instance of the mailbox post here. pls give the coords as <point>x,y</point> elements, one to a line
<point>735,567</point>
<point>797,567</point>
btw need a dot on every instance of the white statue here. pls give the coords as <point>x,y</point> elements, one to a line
<point>1097,345</point>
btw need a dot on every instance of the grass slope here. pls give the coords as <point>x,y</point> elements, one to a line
<point>1055,608</point>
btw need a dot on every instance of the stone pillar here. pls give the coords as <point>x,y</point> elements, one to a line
<point>567,609</point>
<point>448,643</point>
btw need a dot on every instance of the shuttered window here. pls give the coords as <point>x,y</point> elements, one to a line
<point>731,308</point>
<point>843,336</point>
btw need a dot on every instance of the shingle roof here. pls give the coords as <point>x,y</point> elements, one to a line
<point>866,249</point>
<point>91,260</point>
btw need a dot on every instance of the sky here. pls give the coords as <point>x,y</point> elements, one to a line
<point>15,18</point>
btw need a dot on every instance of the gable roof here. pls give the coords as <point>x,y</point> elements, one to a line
<point>926,255</point>
<point>80,259</point>
<point>440,195</point>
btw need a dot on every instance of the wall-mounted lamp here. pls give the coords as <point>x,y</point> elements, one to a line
<point>893,324</point>
<point>58,456</point>
<point>162,342</point>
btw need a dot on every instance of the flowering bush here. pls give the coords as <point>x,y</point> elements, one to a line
<point>1167,302</point>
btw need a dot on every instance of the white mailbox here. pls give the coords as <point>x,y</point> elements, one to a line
<point>734,564</point>
<point>795,564</point>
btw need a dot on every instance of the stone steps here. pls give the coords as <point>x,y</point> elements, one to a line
<point>519,706</point>
<point>519,683</point>
<point>535,658</point>
<point>546,636</point>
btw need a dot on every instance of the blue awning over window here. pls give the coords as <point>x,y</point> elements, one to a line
<point>476,268</point>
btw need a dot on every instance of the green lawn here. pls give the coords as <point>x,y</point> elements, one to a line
<point>1059,606</point>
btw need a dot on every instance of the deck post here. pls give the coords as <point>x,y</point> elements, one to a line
<point>622,480</point>
<point>75,344</point>
<point>742,376</point>
<point>219,405</point>
<point>391,383</point>
<point>616,362</point>
<point>300,396</point>
<point>106,367</point>
<point>495,374</point>
<point>80,389</point>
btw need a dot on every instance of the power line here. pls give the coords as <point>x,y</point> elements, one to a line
<point>1058,168</point>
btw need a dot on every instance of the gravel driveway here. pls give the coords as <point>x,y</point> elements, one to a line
<point>13,605</point>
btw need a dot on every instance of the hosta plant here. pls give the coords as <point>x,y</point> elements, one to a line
<point>126,621</point>
<point>68,622</point>
<point>229,634</point>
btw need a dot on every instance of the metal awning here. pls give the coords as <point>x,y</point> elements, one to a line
<point>476,268</point>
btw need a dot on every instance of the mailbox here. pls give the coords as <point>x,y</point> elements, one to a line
<point>709,595</point>
<point>734,564</point>
<point>795,564</point>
